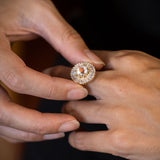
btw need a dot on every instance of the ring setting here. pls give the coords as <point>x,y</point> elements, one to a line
<point>83,73</point>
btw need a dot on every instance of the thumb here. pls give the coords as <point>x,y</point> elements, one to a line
<point>52,27</point>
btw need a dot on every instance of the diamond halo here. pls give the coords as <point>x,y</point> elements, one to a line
<point>82,73</point>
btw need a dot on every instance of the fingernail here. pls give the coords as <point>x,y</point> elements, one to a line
<point>53,136</point>
<point>93,57</point>
<point>69,126</point>
<point>77,93</point>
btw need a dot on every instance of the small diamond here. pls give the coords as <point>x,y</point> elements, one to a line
<point>83,73</point>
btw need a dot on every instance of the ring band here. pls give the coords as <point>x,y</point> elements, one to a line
<point>83,73</point>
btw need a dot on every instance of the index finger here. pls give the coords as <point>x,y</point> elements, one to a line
<point>22,79</point>
<point>63,37</point>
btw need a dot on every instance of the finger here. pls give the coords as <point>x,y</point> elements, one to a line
<point>23,136</point>
<point>59,71</point>
<point>33,121</point>
<point>95,87</point>
<point>127,60</point>
<point>118,142</point>
<point>84,111</point>
<point>91,112</point>
<point>99,141</point>
<point>18,77</point>
<point>63,37</point>
<point>20,118</point>
<point>11,140</point>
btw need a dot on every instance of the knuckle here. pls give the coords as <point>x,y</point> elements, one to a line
<point>41,126</point>
<point>79,142</point>
<point>135,60</point>
<point>127,57</point>
<point>14,81</point>
<point>40,129</point>
<point>120,140</point>
<point>51,91</point>
<point>70,35</point>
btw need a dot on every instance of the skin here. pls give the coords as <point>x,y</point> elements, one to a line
<point>127,95</point>
<point>26,20</point>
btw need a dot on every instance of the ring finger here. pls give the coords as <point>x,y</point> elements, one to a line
<point>91,112</point>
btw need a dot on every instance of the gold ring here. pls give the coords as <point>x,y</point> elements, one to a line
<point>82,73</point>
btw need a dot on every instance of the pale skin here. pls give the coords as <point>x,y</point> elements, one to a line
<point>25,20</point>
<point>127,95</point>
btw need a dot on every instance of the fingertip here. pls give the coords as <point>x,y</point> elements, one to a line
<point>71,139</point>
<point>95,60</point>
<point>77,93</point>
<point>86,55</point>
<point>76,140</point>
<point>69,126</point>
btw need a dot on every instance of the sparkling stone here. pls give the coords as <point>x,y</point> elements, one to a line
<point>83,73</point>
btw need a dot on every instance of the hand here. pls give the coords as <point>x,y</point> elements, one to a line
<point>24,20</point>
<point>127,92</point>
